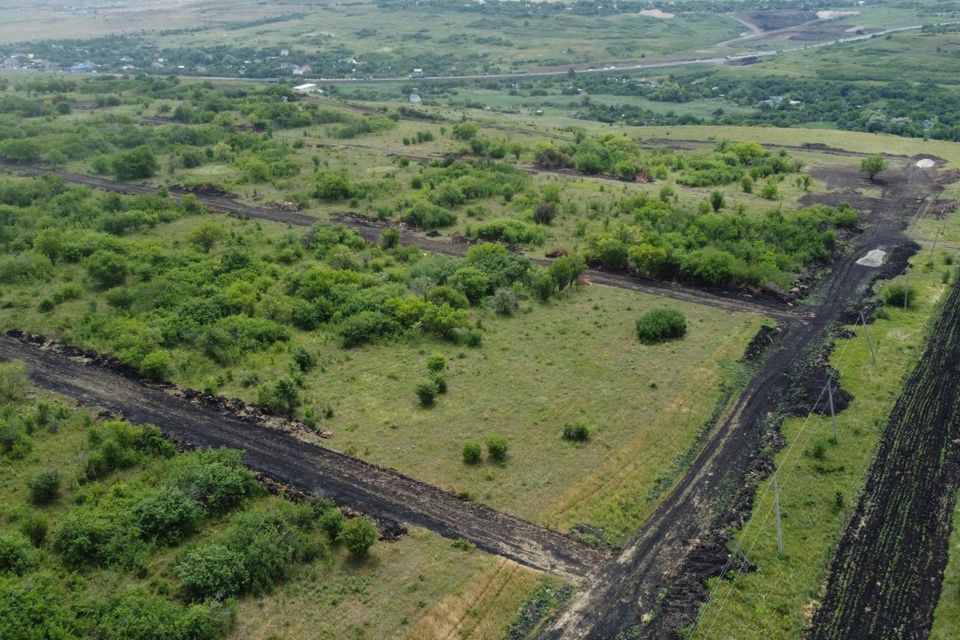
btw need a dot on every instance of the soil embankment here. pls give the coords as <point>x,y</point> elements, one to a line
<point>280,456</point>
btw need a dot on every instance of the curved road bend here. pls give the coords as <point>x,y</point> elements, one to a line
<point>309,467</point>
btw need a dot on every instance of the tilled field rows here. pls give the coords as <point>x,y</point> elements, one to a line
<point>281,456</point>
<point>886,576</point>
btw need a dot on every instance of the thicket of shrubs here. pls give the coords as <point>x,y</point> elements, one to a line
<point>660,325</point>
<point>119,527</point>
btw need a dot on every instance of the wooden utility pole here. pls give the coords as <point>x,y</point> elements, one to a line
<point>866,334</point>
<point>776,507</point>
<point>833,414</point>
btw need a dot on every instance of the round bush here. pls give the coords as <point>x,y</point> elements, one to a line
<point>168,516</point>
<point>472,453</point>
<point>436,363</point>
<point>497,448</point>
<point>16,554</point>
<point>211,571</point>
<point>660,325</point>
<point>44,488</point>
<point>427,393</point>
<point>155,365</point>
<point>576,432</point>
<point>358,535</point>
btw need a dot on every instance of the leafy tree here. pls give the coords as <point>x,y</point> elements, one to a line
<point>358,535</point>
<point>471,282</point>
<point>136,164</point>
<point>283,396</point>
<point>770,191</point>
<point>660,325</point>
<point>215,479</point>
<point>205,235</point>
<point>465,131</point>
<point>444,320</point>
<point>445,294</point>
<point>565,270</point>
<point>365,327</point>
<point>106,268</point>
<point>472,453</point>
<point>49,242</point>
<point>872,165</point>
<point>20,150</point>
<point>497,448</point>
<point>44,488</point>
<point>334,186</point>
<point>155,365</point>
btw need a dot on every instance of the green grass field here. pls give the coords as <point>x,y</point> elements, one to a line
<point>820,478</point>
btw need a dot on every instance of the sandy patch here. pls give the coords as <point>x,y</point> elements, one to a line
<point>829,15</point>
<point>873,258</point>
<point>925,163</point>
<point>656,13</point>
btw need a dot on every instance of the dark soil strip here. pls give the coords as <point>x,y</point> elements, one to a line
<point>282,457</point>
<point>885,578</point>
<point>370,231</point>
<point>654,588</point>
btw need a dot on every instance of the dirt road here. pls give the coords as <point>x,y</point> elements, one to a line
<point>886,576</point>
<point>671,555</point>
<point>311,468</point>
<point>370,230</point>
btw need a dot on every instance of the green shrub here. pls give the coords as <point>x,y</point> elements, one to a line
<point>34,526</point>
<point>497,448</point>
<point>898,294</point>
<point>358,535</point>
<point>507,230</point>
<point>155,365</point>
<point>505,301</point>
<point>436,363</point>
<point>365,327</point>
<point>211,571</point>
<point>427,216</point>
<point>576,432</point>
<point>44,488</point>
<point>472,453</point>
<point>427,393</point>
<point>445,294</point>
<point>305,360</point>
<point>660,325</point>
<point>215,479</point>
<point>167,516</point>
<point>17,556</point>
<point>89,537</point>
<point>13,382</point>
<point>281,397</point>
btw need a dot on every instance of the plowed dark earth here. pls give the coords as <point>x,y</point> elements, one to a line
<point>885,578</point>
<point>370,230</point>
<point>671,554</point>
<point>282,457</point>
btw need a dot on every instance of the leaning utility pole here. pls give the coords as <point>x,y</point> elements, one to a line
<point>776,507</point>
<point>866,334</point>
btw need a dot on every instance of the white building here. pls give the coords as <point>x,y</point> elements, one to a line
<point>306,88</point>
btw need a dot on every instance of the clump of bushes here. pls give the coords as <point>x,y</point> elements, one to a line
<point>660,325</point>
<point>472,453</point>
<point>576,432</point>
<point>898,294</point>
<point>497,448</point>
<point>44,488</point>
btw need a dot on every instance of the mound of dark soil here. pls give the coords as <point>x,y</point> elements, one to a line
<point>765,337</point>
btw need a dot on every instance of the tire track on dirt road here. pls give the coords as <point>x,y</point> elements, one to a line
<point>280,456</point>
<point>370,231</point>
<point>654,587</point>
<point>886,576</point>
